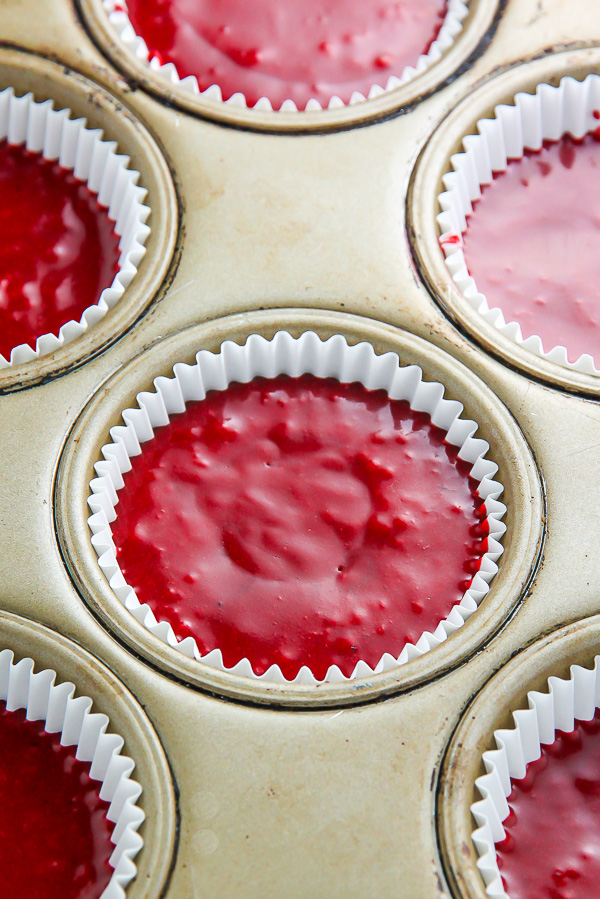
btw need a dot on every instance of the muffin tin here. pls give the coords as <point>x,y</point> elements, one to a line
<point>130,59</point>
<point>426,186</point>
<point>26,72</point>
<point>71,664</point>
<point>552,656</point>
<point>267,789</point>
<point>522,496</point>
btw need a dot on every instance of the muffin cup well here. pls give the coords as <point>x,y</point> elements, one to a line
<point>565,702</point>
<point>285,354</point>
<point>116,12</point>
<point>546,115</point>
<point>56,704</point>
<point>55,135</point>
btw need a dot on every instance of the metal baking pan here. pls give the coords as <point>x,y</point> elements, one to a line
<point>321,221</point>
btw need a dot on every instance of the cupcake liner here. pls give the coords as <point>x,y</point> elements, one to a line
<point>566,701</point>
<point>294,357</point>
<point>54,703</point>
<point>82,150</point>
<point>546,115</point>
<point>452,25</point>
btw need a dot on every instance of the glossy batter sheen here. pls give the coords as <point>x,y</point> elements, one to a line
<point>299,521</point>
<point>54,835</point>
<point>294,50</point>
<point>533,245</point>
<point>552,848</point>
<point>58,249</point>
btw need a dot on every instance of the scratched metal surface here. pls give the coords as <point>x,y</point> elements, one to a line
<point>275,802</point>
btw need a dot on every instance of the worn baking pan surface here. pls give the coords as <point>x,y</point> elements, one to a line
<point>303,231</point>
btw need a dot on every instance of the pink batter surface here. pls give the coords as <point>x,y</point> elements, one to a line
<point>300,522</point>
<point>552,847</point>
<point>533,245</point>
<point>295,50</point>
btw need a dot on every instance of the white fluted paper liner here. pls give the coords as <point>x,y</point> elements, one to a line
<point>546,115</point>
<point>452,25</point>
<point>82,150</point>
<point>45,699</point>
<point>566,701</point>
<point>269,358</point>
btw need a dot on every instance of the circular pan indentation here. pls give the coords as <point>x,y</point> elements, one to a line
<point>492,708</point>
<point>46,80</point>
<point>422,209</point>
<point>481,18</point>
<point>517,471</point>
<point>91,678</point>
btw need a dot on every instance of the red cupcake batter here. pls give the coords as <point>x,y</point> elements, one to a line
<point>300,50</point>
<point>552,847</point>
<point>58,249</point>
<point>533,245</point>
<point>54,835</point>
<point>300,521</point>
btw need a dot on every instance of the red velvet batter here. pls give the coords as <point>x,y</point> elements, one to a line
<point>552,848</point>
<point>58,249</point>
<point>300,522</point>
<point>533,245</point>
<point>312,48</point>
<point>54,835</point>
